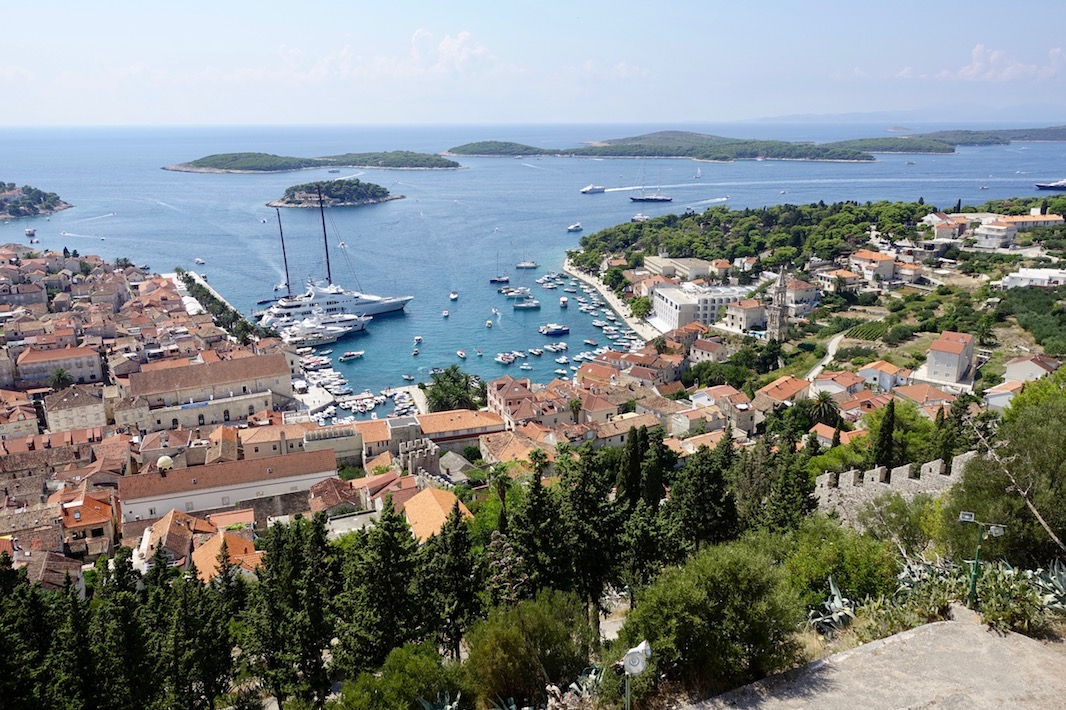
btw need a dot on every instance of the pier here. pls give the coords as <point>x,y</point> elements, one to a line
<point>637,326</point>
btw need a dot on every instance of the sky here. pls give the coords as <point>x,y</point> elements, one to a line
<point>351,62</point>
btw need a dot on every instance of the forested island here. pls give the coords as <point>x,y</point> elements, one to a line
<point>335,193</point>
<point>699,146</point>
<point>268,163</point>
<point>675,144</point>
<point>27,201</point>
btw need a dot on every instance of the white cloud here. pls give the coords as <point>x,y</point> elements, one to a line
<point>996,65</point>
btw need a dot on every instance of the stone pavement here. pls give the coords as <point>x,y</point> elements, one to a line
<point>950,664</point>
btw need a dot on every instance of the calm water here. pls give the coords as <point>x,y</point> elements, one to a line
<point>454,225</point>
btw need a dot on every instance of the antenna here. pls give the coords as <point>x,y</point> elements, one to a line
<point>325,240</point>
<point>284,259</point>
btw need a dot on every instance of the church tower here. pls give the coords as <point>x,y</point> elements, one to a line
<point>777,311</point>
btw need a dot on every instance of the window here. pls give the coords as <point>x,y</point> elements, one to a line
<point>200,420</point>
<point>251,409</point>
<point>174,423</point>
<point>97,532</point>
<point>151,512</point>
<point>273,447</point>
<point>225,415</point>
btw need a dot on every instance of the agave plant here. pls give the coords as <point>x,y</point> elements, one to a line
<point>1051,583</point>
<point>445,703</point>
<point>839,612</point>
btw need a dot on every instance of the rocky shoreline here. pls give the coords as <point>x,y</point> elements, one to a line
<point>43,213</point>
<point>187,168</point>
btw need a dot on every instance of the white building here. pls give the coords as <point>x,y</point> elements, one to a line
<point>1025,278</point>
<point>677,306</point>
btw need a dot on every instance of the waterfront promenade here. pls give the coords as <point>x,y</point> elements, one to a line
<point>640,327</point>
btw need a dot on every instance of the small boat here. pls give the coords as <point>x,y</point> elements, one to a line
<point>639,217</point>
<point>488,324</point>
<point>454,296</point>
<point>351,355</point>
<point>198,260</point>
<point>415,351</point>
<point>527,304</point>
<point>409,378</point>
<point>564,302</point>
<point>31,232</point>
<point>983,187</point>
<point>910,162</point>
<point>461,354</point>
<point>525,366</point>
<point>528,264</point>
<point>334,170</point>
<point>500,280</point>
<point>479,353</point>
<point>418,338</point>
<point>590,341</point>
<point>553,329</point>
<point>592,189</point>
<point>560,371</point>
<point>575,227</point>
<point>281,286</point>
<point>536,351</point>
<point>444,313</point>
<point>698,175</point>
<point>326,352</point>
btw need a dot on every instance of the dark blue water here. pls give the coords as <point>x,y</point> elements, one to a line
<point>453,225</point>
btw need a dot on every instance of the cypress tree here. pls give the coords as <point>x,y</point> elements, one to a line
<point>453,581</point>
<point>538,539</point>
<point>884,448</point>
<point>628,484</point>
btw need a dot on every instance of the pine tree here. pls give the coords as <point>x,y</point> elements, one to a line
<point>700,502</point>
<point>118,641</point>
<point>657,462</point>
<point>538,539</point>
<point>628,483</point>
<point>883,451</point>
<point>792,494</point>
<point>26,632</point>
<point>67,684</point>
<point>641,551</point>
<point>382,611</point>
<point>452,580</point>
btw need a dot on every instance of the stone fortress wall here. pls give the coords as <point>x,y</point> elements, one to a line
<point>847,493</point>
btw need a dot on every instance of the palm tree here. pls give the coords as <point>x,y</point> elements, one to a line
<point>60,379</point>
<point>574,405</point>
<point>824,409</point>
<point>499,481</point>
<point>538,461</point>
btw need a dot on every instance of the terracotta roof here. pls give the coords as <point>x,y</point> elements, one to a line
<point>220,475</point>
<point>842,378</point>
<point>428,510</point>
<point>31,356</point>
<point>209,374</point>
<point>881,366</point>
<point>1013,386</point>
<point>176,531</point>
<point>621,426</point>
<point>867,255</point>
<point>951,342</point>
<point>240,550</point>
<point>784,388</point>
<point>87,511</point>
<point>457,420</point>
<point>244,516</point>
<point>843,273</point>
<point>923,394</point>
<point>373,430</point>
<point>746,304</point>
<point>1042,361</point>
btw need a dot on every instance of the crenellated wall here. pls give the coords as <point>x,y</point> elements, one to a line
<point>848,492</point>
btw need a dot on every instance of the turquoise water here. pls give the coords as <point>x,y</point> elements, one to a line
<point>453,225</point>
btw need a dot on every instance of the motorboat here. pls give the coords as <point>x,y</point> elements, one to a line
<point>593,189</point>
<point>199,261</point>
<point>351,355</point>
<point>1057,185</point>
<point>528,264</point>
<point>575,227</point>
<point>418,338</point>
<point>444,313</point>
<point>527,304</point>
<point>525,366</point>
<point>554,329</point>
<point>454,296</point>
<point>488,323</point>
<point>415,351</point>
<point>409,378</point>
<point>461,354</point>
<point>564,302</point>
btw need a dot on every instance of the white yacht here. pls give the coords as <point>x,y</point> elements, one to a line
<point>328,301</point>
<point>326,329</point>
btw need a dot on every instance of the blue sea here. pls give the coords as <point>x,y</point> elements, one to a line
<point>454,227</point>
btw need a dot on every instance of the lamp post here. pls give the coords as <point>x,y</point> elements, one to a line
<point>983,530</point>
<point>633,663</point>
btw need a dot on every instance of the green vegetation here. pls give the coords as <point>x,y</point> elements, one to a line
<point>454,389</point>
<point>335,193</point>
<point>867,331</point>
<point>997,137</point>
<point>265,162</point>
<point>673,144</point>
<point>1040,312</point>
<point>896,144</point>
<point>225,317</point>
<point>27,201</point>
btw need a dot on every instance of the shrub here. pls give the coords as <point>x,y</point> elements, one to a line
<point>1008,601</point>
<point>896,305</point>
<point>410,672</point>
<point>518,650</point>
<point>723,619</point>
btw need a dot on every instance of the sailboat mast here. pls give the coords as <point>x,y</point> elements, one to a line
<point>284,258</point>
<point>325,240</point>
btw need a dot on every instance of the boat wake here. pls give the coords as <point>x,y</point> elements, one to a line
<point>83,236</point>
<point>169,207</point>
<point>535,167</point>
<point>93,219</point>
<point>711,200</point>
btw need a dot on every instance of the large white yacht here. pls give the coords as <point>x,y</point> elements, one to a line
<point>326,302</point>
<point>314,330</point>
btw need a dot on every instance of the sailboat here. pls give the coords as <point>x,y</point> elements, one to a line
<point>698,175</point>
<point>649,197</point>
<point>330,299</point>
<point>499,278</point>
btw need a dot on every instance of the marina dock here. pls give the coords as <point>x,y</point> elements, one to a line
<point>637,326</point>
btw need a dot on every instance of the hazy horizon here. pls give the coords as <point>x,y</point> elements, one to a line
<point>65,63</point>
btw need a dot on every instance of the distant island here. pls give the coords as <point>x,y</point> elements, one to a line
<point>27,201</point>
<point>699,146</point>
<point>267,163</point>
<point>335,193</point>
